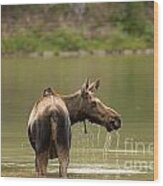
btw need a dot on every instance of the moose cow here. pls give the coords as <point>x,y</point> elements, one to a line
<point>48,126</point>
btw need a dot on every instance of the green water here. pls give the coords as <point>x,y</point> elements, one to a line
<point>126,85</point>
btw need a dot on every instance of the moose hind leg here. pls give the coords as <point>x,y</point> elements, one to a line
<point>36,166</point>
<point>41,163</point>
<point>63,159</point>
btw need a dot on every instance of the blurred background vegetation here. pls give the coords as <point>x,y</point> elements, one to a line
<point>73,27</point>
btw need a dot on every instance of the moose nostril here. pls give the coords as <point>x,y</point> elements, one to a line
<point>112,123</point>
<point>118,123</point>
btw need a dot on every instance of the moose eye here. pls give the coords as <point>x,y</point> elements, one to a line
<point>93,104</point>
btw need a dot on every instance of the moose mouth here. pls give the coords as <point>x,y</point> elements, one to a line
<point>110,125</point>
<point>113,125</point>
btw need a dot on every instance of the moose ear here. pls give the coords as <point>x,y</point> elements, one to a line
<point>87,83</point>
<point>94,86</point>
<point>85,86</point>
<point>48,91</point>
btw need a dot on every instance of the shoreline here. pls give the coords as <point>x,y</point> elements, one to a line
<point>82,53</point>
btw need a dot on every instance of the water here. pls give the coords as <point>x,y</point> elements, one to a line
<point>126,85</point>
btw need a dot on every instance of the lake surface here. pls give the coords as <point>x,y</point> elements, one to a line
<point>126,85</point>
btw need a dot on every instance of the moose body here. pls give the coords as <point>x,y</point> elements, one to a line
<point>51,119</point>
<point>49,132</point>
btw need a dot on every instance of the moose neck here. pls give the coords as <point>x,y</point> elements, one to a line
<point>73,104</point>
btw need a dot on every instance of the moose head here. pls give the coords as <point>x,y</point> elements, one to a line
<point>84,105</point>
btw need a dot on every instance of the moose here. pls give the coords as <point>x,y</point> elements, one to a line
<point>49,123</point>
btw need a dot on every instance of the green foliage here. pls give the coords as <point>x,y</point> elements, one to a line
<point>72,40</point>
<point>149,34</point>
<point>68,40</point>
<point>134,20</point>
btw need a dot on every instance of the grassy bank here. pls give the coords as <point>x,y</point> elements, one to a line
<point>71,40</point>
